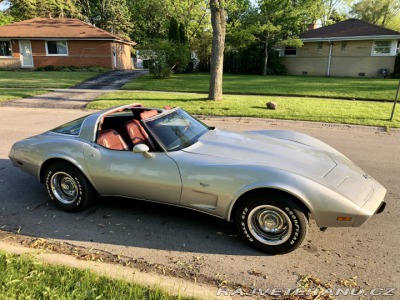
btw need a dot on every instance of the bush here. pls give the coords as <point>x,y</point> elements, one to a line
<point>158,66</point>
<point>167,58</point>
<point>396,70</point>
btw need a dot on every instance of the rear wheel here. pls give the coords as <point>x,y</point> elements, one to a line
<point>68,187</point>
<point>272,222</point>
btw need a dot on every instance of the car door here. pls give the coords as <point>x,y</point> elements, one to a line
<point>125,173</point>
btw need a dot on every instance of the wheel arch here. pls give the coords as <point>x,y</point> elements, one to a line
<point>257,191</point>
<point>53,160</point>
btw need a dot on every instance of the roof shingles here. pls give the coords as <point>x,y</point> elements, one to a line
<point>348,28</point>
<point>56,28</point>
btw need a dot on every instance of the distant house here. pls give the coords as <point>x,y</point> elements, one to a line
<point>349,48</point>
<point>41,42</point>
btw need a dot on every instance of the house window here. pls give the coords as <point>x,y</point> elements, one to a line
<point>398,47</point>
<point>344,46</point>
<point>382,47</point>
<point>290,51</point>
<point>320,46</point>
<point>5,48</point>
<point>57,48</point>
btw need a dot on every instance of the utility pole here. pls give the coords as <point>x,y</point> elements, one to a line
<point>395,102</point>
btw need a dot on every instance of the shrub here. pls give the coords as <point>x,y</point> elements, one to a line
<point>167,58</point>
<point>158,65</point>
<point>396,70</point>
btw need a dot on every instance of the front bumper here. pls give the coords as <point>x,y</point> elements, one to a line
<point>381,208</point>
<point>374,205</point>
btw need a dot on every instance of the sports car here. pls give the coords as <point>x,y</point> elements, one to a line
<point>268,182</point>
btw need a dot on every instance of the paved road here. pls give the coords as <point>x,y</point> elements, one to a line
<point>165,234</point>
<point>81,94</point>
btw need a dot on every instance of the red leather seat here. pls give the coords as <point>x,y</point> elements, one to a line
<point>110,139</point>
<point>137,134</point>
<point>148,114</point>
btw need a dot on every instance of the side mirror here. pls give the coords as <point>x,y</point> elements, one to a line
<point>142,148</point>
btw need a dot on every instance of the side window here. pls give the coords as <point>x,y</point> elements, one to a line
<point>382,48</point>
<point>344,46</point>
<point>57,48</point>
<point>70,128</point>
<point>290,51</point>
<point>5,49</point>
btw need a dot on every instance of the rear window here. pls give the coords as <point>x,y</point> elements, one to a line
<point>70,128</point>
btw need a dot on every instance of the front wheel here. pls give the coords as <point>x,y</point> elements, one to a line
<point>272,222</point>
<point>68,187</point>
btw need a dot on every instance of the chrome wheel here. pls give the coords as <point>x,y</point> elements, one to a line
<point>64,187</point>
<point>269,225</point>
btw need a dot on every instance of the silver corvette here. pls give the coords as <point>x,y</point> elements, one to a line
<point>267,182</point>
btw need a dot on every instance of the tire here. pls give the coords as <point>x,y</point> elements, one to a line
<point>288,225</point>
<point>67,187</point>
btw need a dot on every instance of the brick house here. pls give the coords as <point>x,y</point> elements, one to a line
<point>349,48</point>
<point>42,42</point>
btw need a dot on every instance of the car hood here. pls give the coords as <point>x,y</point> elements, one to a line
<point>256,148</point>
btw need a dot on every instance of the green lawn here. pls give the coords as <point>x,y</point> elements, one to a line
<point>32,79</point>
<point>22,277</point>
<point>12,94</point>
<point>322,110</point>
<point>328,87</point>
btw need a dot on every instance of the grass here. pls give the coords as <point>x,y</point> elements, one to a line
<point>12,94</point>
<point>326,87</point>
<point>322,110</point>
<point>31,79</point>
<point>22,277</point>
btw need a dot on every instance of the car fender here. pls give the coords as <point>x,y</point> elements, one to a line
<point>321,201</point>
<point>76,161</point>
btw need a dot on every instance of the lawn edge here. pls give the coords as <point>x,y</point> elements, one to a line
<point>262,94</point>
<point>171,285</point>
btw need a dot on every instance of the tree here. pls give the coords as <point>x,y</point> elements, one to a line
<point>218,22</point>
<point>280,23</point>
<point>191,13</point>
<point>380,12</point>
<point>327,11</point>
<point>173,34</point>
<point>150,20</point>
<point>5,19</point>
<point>110,15</point>
<point>27,9</point>
<point>182,34</point>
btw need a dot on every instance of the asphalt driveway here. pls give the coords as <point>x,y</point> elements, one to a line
<point>80,95</point>
<point>167,236</point>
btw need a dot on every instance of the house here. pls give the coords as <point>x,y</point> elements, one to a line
<point>48,41</point>
<point>349,48</point>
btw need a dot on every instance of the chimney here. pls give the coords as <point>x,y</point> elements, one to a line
<point>312,26</point>
<point>47,14</point>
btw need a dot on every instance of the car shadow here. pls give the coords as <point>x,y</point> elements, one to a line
<point>26,208</point>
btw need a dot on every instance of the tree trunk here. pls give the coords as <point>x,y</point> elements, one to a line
<point>218,22</point>
<point>266,55</point>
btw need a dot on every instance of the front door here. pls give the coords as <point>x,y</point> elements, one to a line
<point>26,54</point>
<point>124,173</point>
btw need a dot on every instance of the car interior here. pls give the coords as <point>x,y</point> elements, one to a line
<point>122,130</point>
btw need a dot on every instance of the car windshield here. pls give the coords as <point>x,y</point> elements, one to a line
<point>177,129</point>
<point>71,128</point>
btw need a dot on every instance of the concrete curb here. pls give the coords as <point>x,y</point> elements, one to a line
<point>173,286</point>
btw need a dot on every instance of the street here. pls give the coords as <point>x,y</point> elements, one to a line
<point>163,234</point>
